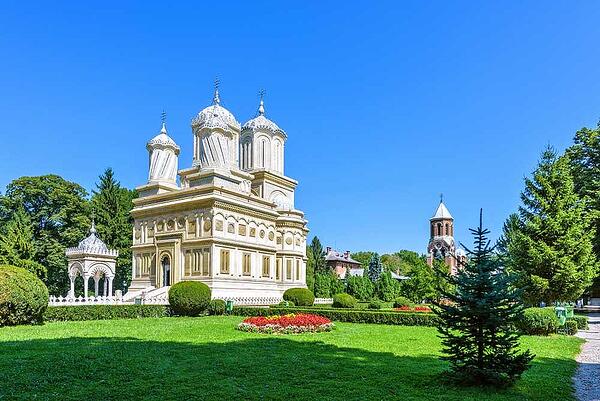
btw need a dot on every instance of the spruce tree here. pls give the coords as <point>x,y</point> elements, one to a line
<point>550,243</point>
<point>477,324</point>
<point>375,268</point>
<point>112,205</point>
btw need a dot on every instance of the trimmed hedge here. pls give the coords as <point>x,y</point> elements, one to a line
<point>23,297</point>
<point>103,312</point>
<point>570,327</point>
<point>285,304</point>
<point>374,305</point>
<point>345,301</point>
<point>299,296</point>
<point>345,315</point>
<point>582,322</point>
<point>539,321</point>
<point>402,301</point>
<point>217,307</point>
<point>189,298</point>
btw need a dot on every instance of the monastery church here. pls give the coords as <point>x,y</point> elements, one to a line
<point>230,221</point>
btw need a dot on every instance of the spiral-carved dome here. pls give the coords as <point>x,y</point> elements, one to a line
<point>164,140</point>
<point>216,116</point>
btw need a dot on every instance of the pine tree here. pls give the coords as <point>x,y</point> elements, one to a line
<point>318,255</point>
<point>550,243</point>
<point>375,268</point>
<point>112,205</point>
<point>477,325</point>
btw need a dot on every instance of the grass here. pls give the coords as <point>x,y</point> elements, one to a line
<point>207,359</point>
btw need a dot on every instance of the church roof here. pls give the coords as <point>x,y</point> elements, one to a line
<point>163,139</point>
<point>216,116</point>
<point>442,213</point>
<point>261,122</point>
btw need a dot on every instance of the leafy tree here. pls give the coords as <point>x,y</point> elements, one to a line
<point>327,285</point>
<point>391,262</point>
<point>112,205</point>
<point>363,257</point>
<point>375,268</point>
<point>423,283</point>
<point>477,326</point>
<point>360,287</point>
<point>550,245</point>
<point>17,246</point>
<point>58,210</point>
<point>386,287</point>
<point>584,156</point>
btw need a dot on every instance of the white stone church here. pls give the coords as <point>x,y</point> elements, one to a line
<point>229,220</point>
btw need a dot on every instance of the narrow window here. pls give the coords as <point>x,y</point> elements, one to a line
<point>246,267</point>
<point>278,269</point>
<point>297,270</point>
<point>205,262</point>
<point>288,269</point>
<point>224,261</point>
<point>265,266</point>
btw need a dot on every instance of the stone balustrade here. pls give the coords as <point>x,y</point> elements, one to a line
<point>321,301</point>
<point>75,301</point>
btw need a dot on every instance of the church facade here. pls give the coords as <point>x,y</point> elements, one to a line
<point>230,220</point>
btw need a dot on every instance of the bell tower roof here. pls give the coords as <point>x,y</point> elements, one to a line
<point>442,213</point>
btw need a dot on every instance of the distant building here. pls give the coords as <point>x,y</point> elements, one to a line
<point>339,263</point>
<point>441,240</point>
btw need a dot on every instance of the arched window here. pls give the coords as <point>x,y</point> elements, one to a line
<point>439,228</point>
<point>447,229</point>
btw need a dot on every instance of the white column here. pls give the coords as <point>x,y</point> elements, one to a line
<point>110,289</point>
<point>85,285</point>
<point>105,286</point>
<point>72,291</point>
<point>96,282</point>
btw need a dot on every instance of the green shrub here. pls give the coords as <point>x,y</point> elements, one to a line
<point>217,307</point>
<point>286,304</point>
<point>374,305</point>
<point>570,327</point>
<point>343,300</point>
<point>582,322</point>
<point>360,287</point>
<point>23,297</point>
<point>189,298</point>
<point>538,321</point>
<point>348,315</point>
<point>299,296</point>
<point>103,312</point>
<point>402,301</point>
<point>387,288</point>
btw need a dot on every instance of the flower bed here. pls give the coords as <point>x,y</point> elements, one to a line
<point>286,324</point>
<point>422,309</point>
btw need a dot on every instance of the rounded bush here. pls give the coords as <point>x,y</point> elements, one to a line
<point>570,327</point>
<point>374,305</point>
<point>189,298</point>
<point>23,297</point>
<point>217,307</point>
<point>402,301</point>
<point>343,300</point>
<point>299,296</point>
<point>582,322</point>
<point>538,321</point>
<point>286,304</point>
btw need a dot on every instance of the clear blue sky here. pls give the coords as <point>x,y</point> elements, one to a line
<point>386,104</point>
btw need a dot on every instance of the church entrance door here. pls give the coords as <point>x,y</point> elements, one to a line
<point>166,268</point>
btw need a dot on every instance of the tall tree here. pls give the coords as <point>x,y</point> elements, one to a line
<point>585,168</point>
<point>318,254</point>
<point>363,257</point>
<point>477,326</point>
<point>550,246</point>
<point>112,205</point>
<point>375,268</point>
<point>17,244</point>
<point>59,213</point>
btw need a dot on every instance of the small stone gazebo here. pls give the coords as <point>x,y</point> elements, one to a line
<point>92,258</point>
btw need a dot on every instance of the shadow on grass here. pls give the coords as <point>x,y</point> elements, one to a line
<point>257,368</point>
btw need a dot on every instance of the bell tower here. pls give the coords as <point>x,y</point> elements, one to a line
<point>441,238</point>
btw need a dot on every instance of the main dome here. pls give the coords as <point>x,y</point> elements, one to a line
<point>216,116</point>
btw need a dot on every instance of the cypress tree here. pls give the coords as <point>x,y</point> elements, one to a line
<point>375,268</point>
<point>477,324</point>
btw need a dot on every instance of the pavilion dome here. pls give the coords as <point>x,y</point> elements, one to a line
<point>163,139</point>
<point>216,116</point>
<point>91,245</point>
<point>260,122</point>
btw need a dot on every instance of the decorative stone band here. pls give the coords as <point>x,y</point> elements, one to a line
<point>76,301</point>
<point>92,251</point>
<point>252,301</point>
<point>323,301</point>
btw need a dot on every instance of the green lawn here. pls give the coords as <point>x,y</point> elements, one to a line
<point>207,359</point>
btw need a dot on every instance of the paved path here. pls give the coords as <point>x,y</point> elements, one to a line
<point>587,378</point>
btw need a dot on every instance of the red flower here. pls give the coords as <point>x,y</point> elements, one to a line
<point>288,320</point>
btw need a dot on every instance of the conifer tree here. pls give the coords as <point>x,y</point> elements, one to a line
<point>375,268</point>
<point>477,325</point>
<point>550,243</point>
<point>112,205</point>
